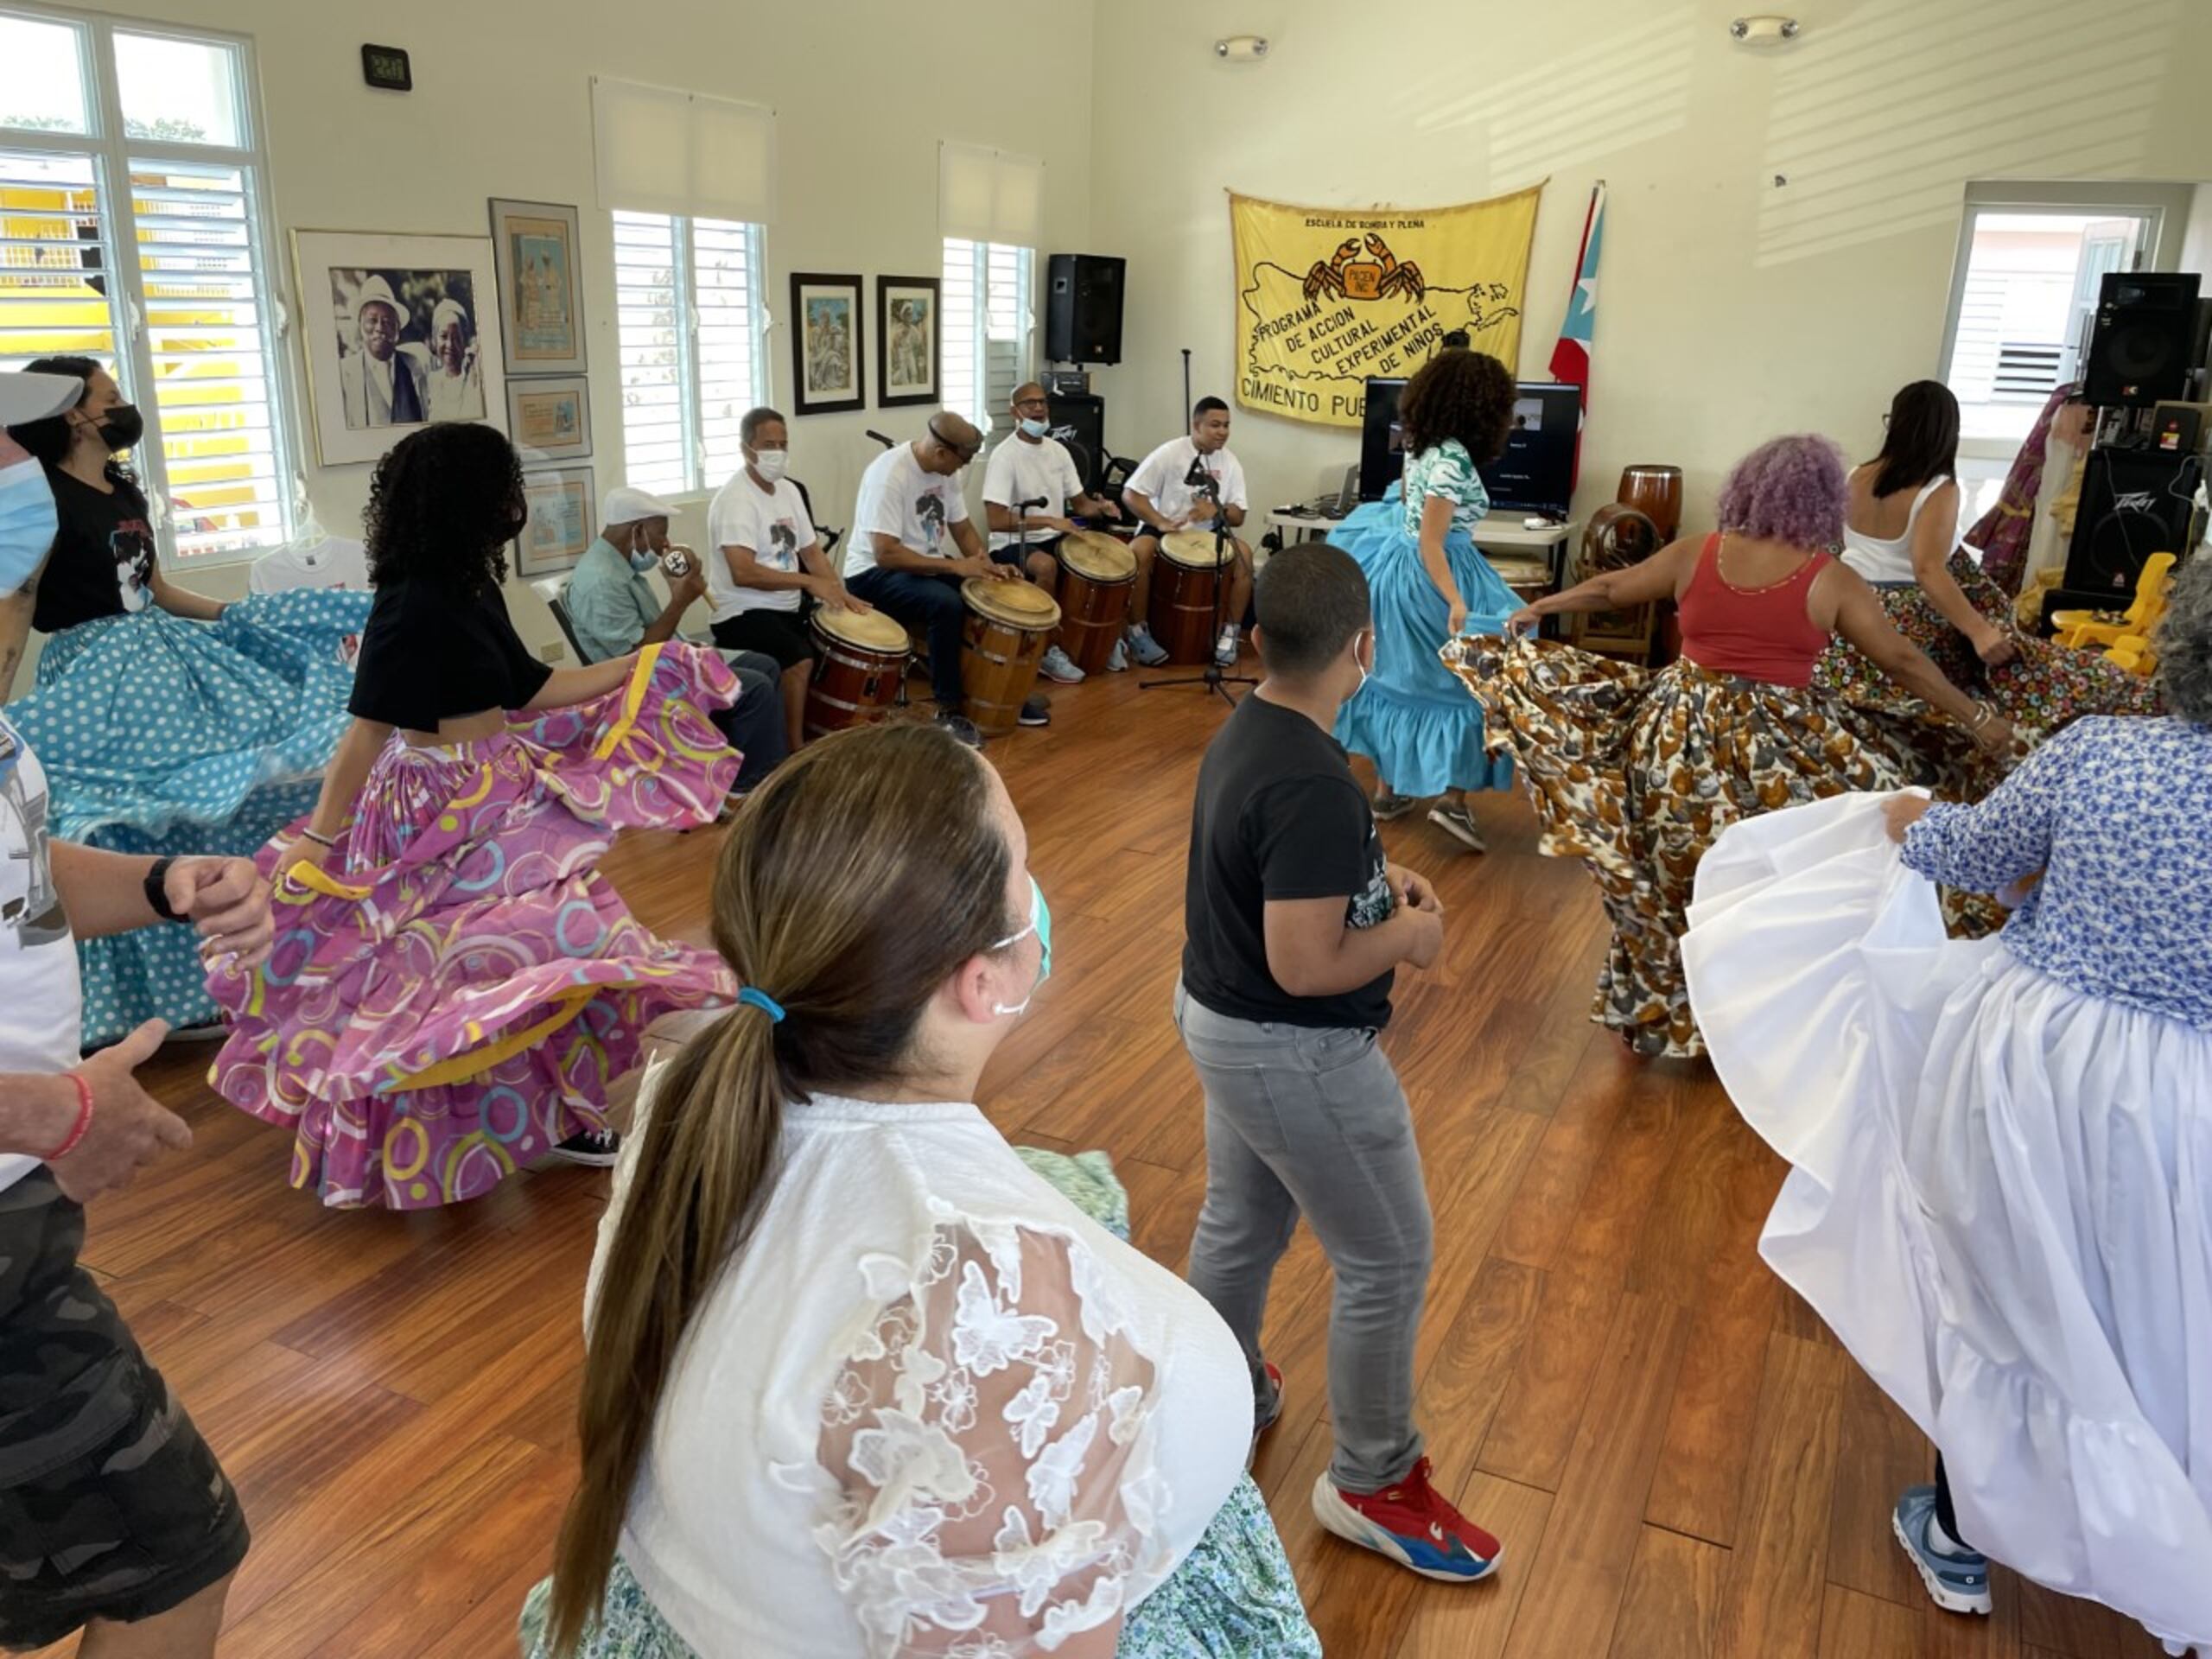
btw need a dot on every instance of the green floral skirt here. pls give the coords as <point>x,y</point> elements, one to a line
<point>1232,1598</point>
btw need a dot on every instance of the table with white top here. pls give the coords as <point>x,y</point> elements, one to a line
<point>1503,537</point>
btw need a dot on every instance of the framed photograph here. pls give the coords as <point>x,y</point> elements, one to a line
<point>549,418</point>
<point>563,507</point>
<point>400,331</point>
<point>535,246</point>
<point>909,331</point>
<point>826,345</point>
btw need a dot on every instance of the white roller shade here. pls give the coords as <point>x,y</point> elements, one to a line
<point>987,195</point>
<point>662,151</point>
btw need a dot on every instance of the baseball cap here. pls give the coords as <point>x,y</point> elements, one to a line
<point>25,396</point>
<point>625,505</point>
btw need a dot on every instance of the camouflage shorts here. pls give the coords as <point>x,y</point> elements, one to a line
<point>111,1506</point>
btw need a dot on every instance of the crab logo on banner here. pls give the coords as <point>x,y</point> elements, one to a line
<point>1327,297</point>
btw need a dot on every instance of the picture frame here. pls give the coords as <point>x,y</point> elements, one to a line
<point>563,514</point>
<point>536,249</point>
<point>398,331</point>
<point>828,344</point>
<point>549,418</point>
<point>909,340</point>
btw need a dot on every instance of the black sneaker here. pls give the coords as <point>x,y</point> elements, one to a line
<point>961,728</point>
<point>594,1148</point>
<point>1035,712</point>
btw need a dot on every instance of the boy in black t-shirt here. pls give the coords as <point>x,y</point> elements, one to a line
<point>1295,926</point>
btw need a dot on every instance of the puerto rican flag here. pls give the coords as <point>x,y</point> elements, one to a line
<point>1571,356</point>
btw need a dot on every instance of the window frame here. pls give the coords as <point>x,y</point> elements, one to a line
<point>683,257</point>
<point>110,151</point>
<point>989,419</point>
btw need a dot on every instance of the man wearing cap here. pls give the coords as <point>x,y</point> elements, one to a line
<point>387,381</point>
<point>114,1517</point>
<point>613,610</point>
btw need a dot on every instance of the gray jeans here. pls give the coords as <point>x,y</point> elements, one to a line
<point>1303,1121</point>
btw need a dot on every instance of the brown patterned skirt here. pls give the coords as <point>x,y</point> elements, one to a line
<point>1635,772</point>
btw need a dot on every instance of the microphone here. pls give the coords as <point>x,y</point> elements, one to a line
<point>881,439</point>
<point>1024,507</point>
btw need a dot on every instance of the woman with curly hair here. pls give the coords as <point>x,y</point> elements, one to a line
<point>1426,582</point>
<point>1900,532</point>
<point>1636,772</point>
<point>2002,1147</point>
<point>169,723</point>
<point>456,982</point>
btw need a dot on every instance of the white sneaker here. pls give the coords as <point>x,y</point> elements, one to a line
<point>1146,649</point>
<point>1118,663</point>
<point>1225,649</point>
<point>1059,667</point>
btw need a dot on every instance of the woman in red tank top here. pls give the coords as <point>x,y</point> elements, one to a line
<point>1638,771</point>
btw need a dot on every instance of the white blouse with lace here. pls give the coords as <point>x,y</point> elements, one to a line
<point>931,1410</point>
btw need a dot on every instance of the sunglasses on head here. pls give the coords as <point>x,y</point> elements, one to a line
<point>966,451</point>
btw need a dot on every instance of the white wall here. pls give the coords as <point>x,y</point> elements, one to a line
<point>1729,309</point>
<point>2196,248</point>
<point>863,89</point>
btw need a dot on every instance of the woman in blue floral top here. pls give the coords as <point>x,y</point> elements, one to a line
<point>1427,584</point>
<point>2002,1197</point>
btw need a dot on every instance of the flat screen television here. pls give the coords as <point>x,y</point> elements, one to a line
<point>1536,474</point>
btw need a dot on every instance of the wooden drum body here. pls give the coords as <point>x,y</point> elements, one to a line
<point>1009,624</point>
<point>1656,493</point>
<point>858,669</point>
<point>1097,576</point>
<point>1185,580</point>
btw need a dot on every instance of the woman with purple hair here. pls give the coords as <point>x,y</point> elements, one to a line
<point>1635,772</point>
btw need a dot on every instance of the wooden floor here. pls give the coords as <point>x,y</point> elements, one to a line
<point>1680,1459</point>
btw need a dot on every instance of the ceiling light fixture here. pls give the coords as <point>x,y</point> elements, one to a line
<point>1765,28</point>
<point>1241,48</point>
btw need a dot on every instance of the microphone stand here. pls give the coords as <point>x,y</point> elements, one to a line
<point>1214,678</point>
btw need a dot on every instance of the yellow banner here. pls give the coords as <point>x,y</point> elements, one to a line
<point>1326,298</point>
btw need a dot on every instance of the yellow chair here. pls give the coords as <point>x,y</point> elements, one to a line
<point>2138,621</point>
<point>2132,652</point>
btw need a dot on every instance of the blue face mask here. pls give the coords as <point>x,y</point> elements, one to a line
<point>641,560</point>
<point>1034,428</point>
<point>1040,923</point>
<point>26,522</point>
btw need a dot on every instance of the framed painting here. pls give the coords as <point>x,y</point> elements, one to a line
<point>549,418</point>
<point>909,334</point>
<point>536,246</point>
<point>400,331</point>
<point>826,344</point>
<point>562,508</point>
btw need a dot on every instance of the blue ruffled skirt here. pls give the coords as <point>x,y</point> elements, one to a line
<point>165,736</point>
<point>1416,722</point>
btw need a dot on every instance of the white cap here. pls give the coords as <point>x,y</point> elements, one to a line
<point>625,505</point>
<point>377,291</point>
<point>25,396</point>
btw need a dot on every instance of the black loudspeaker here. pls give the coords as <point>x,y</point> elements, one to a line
<point>1079,421</point>
<point>2141,349</point>
<point>1083,308</point>
<point>2134,503</point>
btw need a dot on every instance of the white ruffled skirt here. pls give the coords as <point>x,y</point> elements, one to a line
<point>2000,1200</point>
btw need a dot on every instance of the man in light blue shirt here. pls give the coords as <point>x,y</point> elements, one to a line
<point>613,610</point>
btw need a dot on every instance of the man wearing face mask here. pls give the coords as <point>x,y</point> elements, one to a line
<point>767,570</point>
<point>387,381</point>
<point>909,506</point>
<point>1033,466</point>
<point>614,611</point>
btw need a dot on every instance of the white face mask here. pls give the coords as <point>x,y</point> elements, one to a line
<point>1034,428</point>
<point>1361,666</point>
<point>770,463</point>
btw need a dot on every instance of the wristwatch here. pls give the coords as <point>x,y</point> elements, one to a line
<point>157,892</point>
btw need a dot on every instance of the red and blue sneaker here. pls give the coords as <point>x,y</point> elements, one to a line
<point>1411,1522</point>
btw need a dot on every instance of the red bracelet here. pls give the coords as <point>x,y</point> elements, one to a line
<point>84,1121</point>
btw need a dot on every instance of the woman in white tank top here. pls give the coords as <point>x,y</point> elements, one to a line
<point>1900,532</point>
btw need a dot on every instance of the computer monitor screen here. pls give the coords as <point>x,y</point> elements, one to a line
<point>1535,475</point>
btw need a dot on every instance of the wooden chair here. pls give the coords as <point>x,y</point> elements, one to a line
<point>2139,621</point>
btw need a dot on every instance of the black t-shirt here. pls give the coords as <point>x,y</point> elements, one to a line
<point>1278,815</point>
<point>103,559</point>
<point>429,653</point>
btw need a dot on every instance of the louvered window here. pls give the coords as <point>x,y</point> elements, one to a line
<point>144,140</point>
<point>987,325</point>
<point>688,325</point>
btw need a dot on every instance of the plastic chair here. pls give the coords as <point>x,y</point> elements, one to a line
<point>554,591</point>
<point>2133,652</point>
<point>2138,621</point>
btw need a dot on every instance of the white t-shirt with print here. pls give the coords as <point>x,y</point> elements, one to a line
<point>41,1003</point>
<point>1021,470</point>
<point>773,524</point>
<point>898,498</point>
<point>1160,480</point>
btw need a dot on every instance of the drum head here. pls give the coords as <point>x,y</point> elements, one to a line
<point>1098,558</point>
<point>1022,605</point>
<point>1195,549</point>
<point>869,629</point>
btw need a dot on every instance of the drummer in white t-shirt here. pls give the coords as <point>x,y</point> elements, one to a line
<point>771,571</point>
<point>1030,484</point>
<point>1182,486</point>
